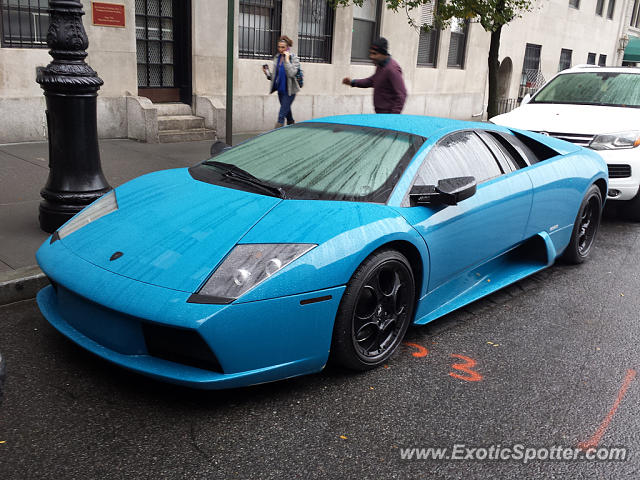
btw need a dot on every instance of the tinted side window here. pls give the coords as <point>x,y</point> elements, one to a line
<point>460,154</point>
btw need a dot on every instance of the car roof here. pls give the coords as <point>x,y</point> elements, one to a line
<point>595,68</point>
<point>413,124</point>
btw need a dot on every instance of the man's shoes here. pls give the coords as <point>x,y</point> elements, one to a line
<point>278,125</point>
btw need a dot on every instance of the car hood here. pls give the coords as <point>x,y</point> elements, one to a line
<point>581,119</point>
<point>172,230</point>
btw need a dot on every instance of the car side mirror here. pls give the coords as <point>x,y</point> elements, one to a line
<point>525,99</point>
<point>218,147</point>
<point>449,191</point>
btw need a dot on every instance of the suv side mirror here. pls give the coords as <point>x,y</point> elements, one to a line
<point>449,191</point>
<point>218,147</point>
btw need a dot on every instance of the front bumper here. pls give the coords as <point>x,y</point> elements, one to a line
<point>627,187</point>
<point>252,342</point>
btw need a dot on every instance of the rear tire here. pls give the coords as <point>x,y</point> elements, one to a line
<point>375,311</point>
<point>585,227</point>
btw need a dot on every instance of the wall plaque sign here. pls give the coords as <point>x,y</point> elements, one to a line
<point>107,14</point>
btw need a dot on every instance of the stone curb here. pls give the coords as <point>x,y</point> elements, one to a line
<point>21,284</point>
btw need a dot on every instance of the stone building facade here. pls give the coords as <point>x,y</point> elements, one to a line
<point>164,63</point>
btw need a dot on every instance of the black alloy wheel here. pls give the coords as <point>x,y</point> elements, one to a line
<point>375,311</point>
<point>585,227</point>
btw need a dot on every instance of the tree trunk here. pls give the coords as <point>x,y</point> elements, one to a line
<point>494,66</point>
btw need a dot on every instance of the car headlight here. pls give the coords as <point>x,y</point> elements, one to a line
<point>613,141</point>
<point>101,207</point>
<point>249,265</point>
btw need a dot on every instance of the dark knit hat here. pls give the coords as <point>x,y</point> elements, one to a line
<point>380,45</point>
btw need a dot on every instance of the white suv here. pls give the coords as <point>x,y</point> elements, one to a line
<point>598,108</point>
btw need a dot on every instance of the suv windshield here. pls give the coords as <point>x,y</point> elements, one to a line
<point>318,161</point>
<point>592,88</point>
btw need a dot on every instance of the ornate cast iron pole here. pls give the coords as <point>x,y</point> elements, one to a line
<point>71,90</point>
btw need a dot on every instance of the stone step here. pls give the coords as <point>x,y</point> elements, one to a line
<point>192,135</point>
<point>179,122</point>
<point>165,109</point>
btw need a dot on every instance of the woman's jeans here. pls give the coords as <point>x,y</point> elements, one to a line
<point>285,107</point>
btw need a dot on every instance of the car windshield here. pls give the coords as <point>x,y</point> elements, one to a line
<point>319,161</point>
<point>592,88</point>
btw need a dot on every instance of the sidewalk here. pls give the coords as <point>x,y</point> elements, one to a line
<point>24,169</point>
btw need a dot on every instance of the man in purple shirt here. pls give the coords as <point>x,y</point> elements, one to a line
<point>389,92</point>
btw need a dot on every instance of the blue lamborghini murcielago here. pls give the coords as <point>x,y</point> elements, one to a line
<point>321,241</point>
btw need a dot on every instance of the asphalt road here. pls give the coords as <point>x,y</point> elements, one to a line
<point>549,362</point>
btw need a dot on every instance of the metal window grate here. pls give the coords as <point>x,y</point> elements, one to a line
<point>259,28</point>
<point>611,8</point>
<point>599,7</point>
<point>574,3</point>
<point>591,59</point>
<point>565,59</point>
<point>315,34</point>
<point>154,43</point>
<point>428,41</point>
<point>531,78</point>
<point>602,61</point>
<point>24,23</point>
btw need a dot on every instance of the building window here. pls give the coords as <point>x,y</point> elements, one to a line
<point>532,78</point>
<point>635,15</point>
<point>574,3</point>
<point>259,28</point>
<point>565,59</point>
<point>458,42</point>
<point>599,7</point>
<point>316,31</point>
<point>612,6</point>
<point>591,59</point>
<point>155,43</point>
<point>24,23</point>
<point>602,61</point>
<point>428,42</point>
<point>366,27</point>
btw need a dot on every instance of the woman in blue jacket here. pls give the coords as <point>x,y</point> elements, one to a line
<point>283,80</point>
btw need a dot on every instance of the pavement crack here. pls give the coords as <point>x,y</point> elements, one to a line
<point>194,442</point>
<point>37,164</point>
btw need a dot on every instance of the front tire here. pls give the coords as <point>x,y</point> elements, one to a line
<point>375,311</point>
<point>585,227</point>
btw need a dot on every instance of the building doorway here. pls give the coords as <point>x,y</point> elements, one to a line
<point>163,50</point>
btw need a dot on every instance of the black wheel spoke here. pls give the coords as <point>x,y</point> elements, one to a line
<point>367,303</point>
<point>366,332</point>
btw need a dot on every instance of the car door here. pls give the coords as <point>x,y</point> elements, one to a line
<point>460,237</point>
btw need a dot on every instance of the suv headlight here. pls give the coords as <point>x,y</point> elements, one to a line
<point>613,141</point>
<point>246,267</point>
<point>101,207</point>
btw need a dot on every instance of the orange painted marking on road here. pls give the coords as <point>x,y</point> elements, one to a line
<point>422,352</point>
<point>466,367</point>
<point>595,439</point>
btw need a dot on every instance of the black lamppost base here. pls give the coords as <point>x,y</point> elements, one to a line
<point>54,213</point>
<point>71,90</point>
